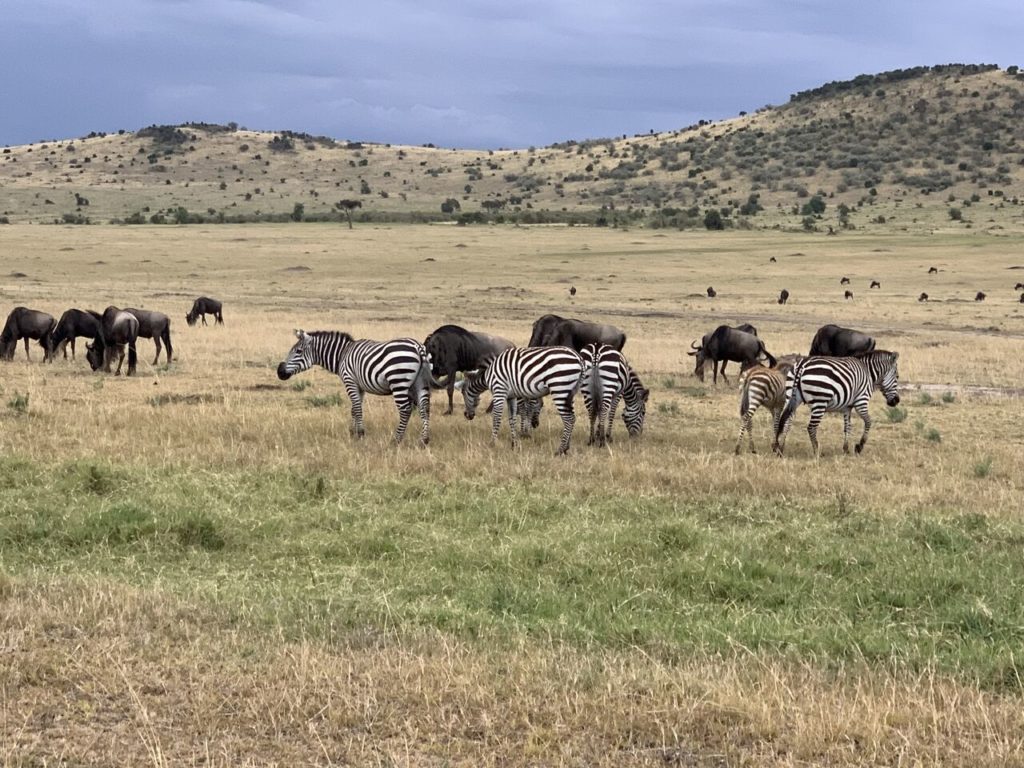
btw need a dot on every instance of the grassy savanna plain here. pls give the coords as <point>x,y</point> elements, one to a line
<point>200,566</point>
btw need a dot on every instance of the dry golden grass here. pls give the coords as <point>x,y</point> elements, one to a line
<point>94,672</point>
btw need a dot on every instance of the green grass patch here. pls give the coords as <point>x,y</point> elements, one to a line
<point>324,401</point>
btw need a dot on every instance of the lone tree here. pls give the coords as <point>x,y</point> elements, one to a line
<point>348,206</point>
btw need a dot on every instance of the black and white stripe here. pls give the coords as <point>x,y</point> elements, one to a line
<point>400,368</point>
<point>611,379</point>
<point>763,387</point>
<point>528,372</point>
<point>838,384</point>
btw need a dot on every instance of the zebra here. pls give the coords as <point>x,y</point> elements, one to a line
<point>838,384</point>
<point>528,372</point>
<point>761,386</point>
<point>400,368</point>
<point>611,379</point>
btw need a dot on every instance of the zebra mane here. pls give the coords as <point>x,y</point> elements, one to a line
<point>338,335</point>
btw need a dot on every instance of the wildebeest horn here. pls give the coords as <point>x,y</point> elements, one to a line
<point>694,345</point>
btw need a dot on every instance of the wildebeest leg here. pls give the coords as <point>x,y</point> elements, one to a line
<point>424,407</point>
<point>724,377</point>
<point>356,396</point>
<point>220,319</point>
<point>120,360</point>
<point>27,356</point>
<point>72,349</point>
<point>846,431</point>
<point>862,411</point>
<point>451,394</point>
<point>203,317</point>
<point>817,413</point>
<point>156,340</point>
<point>564,405</point>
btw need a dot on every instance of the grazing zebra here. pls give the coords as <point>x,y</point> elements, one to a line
<point>838,384</point>
<point>528,372</point>
<point>761,386</point>
<point>611,379</point>
<point>400,368</point>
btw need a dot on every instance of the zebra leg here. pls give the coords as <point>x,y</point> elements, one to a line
<point>513,408</point>
<point>746,427</point>
<point>612,408</point>
<point>862,411</point>
<point>817,413</point>
<point>404,403</point>
<point>592,412</point>
<point>356,396</point>
<point>424,403</point>
<point>846,431</point>
<point>564,406</point>
<point>498,401</point>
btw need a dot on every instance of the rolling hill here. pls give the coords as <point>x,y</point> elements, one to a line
<point>922,149</point>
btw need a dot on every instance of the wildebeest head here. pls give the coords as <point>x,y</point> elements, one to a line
<point>191,318</point>
<point>848,295</point>
<point>699,355</point>
<point>979,296</point>
<point>923,297</point>
<point>94,355</point>
<point>299,358</point>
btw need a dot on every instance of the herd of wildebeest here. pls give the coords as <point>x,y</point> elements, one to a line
<point>564,357</point>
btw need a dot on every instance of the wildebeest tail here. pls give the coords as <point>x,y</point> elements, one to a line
<point>165,335</point>
<point>426,373</point>
<point>133,357</point>
<point>771,360</point>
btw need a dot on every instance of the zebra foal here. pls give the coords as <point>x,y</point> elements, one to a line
<point>759,387</point>
<point>611,379</point>
<point>531,373</point>
<point>842,384</point>
<point>400,368</point>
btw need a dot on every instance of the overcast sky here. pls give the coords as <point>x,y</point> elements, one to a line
<point>459,73</point>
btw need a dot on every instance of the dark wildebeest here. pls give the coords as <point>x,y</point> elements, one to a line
<point>202,307</point>
<point>875,284</point>
<point>923,297</point>
<point>117,328</point>
<point>844,281</point>
<point>784,296</point>
<point>724,345</point>
<point>848,295</point>
<point>834,341</point>
<point>772,260</point>
<point>1022,298</point>
<point>572,290</point>
<point>453,349</point>
<point>555,331</point>
<point>1019,287</point>
<point>979,296</point>
<point>72,324</point>
<point>24,323</point>
<point>932,271</point>
<point>712,292</point>
<point>155,326</point>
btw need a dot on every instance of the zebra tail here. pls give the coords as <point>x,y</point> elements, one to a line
<point>791,405</point>
<point>745,397</point>
<point>426,375</point>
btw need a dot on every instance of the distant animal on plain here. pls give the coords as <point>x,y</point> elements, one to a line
<point>923,297</point>
<point>72,324</point>
<point>555,331</point>
<point>118,329</point>
<point>932,271</point>
<point>453,349</point>
<point>25,323</point>
<point>979,296</point>
<point>712,292</point>
<point>1019,287</point>
<point>848,295</point>
<point>724,345</point>
<point>783,296</point>
<point>202,307</point>
<point>844,281</point>
<point>572,290</point>
<point>155,326</point>
<point>772,260</point>
<point>611,379</point>
<point>1022,298</point>
<point>875,284</point>
<point>835,341</point>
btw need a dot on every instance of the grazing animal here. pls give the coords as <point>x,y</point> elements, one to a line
<point>572,290</point>
<point>24,323</point>
<point>72,324</point>
<point>724,345</point>
<point>528,372</point>
<point>839,384</point>
<point>772,260</point>
<point>155,326</point>
<point>712,292</point>
<point>784,296</point>
<point>766,387</point>
<point>555,331</point>
<point>923,297</point>
<point>1022,298</point>
<point>979,296</point>
<point>834,341</point>
<point>612,379</point>
<point>453,349</point>
<point>202,307</point>
<point>117,330</point>
<point>848,295</point>
<point>1019,287</point>
<point>844,281</point>
<point>400,368</point>
<point>875,284</point>
<point>932,271</point>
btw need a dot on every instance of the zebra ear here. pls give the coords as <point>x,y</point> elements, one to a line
<point>460,384</point>
<point>299,333</point>
<point>895,355</point>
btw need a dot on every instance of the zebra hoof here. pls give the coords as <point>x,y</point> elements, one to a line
<point>858,448</point>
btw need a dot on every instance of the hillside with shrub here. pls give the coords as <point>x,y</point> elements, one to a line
<point>922,149</point>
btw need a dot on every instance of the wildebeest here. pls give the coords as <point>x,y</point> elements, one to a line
<point>1022,298</point>
<point>848,295</point>
<point>784,296</point>
<point>572,290</point>
<point>923,297</point>
<point>932,271</point>
<point>875,284</point>
<point>747,328</point>
<point>834,341</point>
<point>24,323</point>
<point>202,307</point>
<point>979,296</point>
<point>772,260</point>
<point>712,292</point>
<point>117,329</point>
<point>724,345</point>
<point>1019,287</point>
<point>72,324</point>
<point>555,331</point>
<point>844,281</point>
<point>453,349</point>
<point>155,326</point>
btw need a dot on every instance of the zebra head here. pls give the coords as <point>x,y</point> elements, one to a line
<point>472,387</point>
<point>885,374</point>
<point>299,358</point>
<point>636,410</point>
